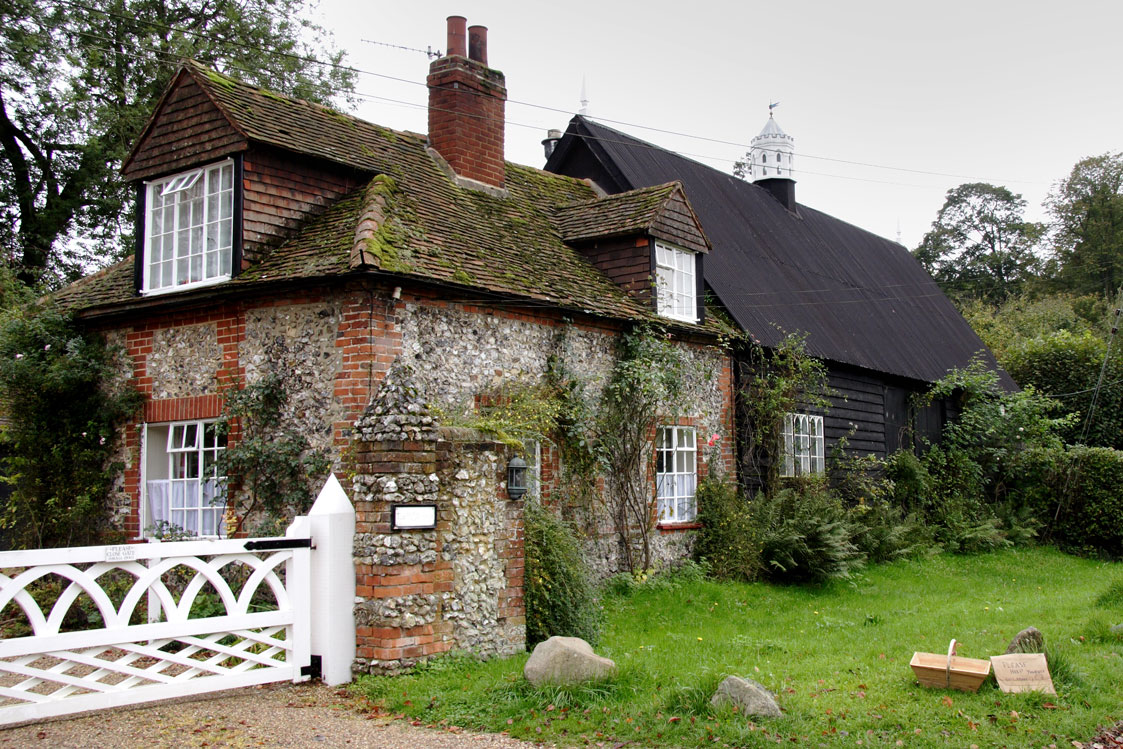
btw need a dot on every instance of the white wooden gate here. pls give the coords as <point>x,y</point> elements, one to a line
<point>177,619</point>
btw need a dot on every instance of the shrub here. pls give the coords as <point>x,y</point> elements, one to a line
<point>728,542</point>
<point>910,484</point>
<point>1075,492</point>
<point>944,492</point>
<point>65,403</point>
<point>560,599</point>
<point>805,534</point>
<point>1069,365</point>
<point>883,532</point>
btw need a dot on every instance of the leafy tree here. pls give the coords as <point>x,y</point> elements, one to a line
<point>1023,318</point>
<point>980,245</point>
<point>78,81</point>
<point>1087,211</point>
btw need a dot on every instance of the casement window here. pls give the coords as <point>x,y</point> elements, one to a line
<point>803,445</point>
<point>183,491</point>
<point>677,283</point>
<point>676,474</point>
<point>189,229</point>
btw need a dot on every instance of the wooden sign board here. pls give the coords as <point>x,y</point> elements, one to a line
<point>1022,672</point>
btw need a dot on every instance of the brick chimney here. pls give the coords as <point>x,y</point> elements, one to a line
<point>466,106</point>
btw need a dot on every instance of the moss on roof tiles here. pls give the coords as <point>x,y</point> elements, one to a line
<point>429,228</point>
<point>623,213</point>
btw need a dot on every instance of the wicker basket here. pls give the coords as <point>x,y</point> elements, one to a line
<point>950,671</point>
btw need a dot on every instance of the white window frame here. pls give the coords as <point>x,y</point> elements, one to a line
<point>676,280</point>
<point>193,515</point>
<point>189,222</point>
<point>676,474</point>
<point>804,445</point>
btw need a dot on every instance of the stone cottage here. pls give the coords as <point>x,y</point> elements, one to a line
<point>391,280</point>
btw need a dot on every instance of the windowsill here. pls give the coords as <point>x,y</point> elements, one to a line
<point>690,526</point>
<point>184,287</point>
<point>676,318</point>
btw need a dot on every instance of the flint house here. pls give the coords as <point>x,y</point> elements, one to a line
<point>384,274</point>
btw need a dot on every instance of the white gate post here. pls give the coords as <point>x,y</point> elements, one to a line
<point>332,519</point>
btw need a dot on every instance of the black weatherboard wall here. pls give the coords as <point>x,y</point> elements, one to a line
<point>868,309</point>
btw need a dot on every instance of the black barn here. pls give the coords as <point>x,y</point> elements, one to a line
<point>867,308</point>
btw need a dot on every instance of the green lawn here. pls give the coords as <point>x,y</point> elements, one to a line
<point>836,657</point>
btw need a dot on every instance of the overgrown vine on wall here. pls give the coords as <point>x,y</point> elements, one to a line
<point>610,436</point>
<point>645,385</point>
<point>775,382</point>
<point>63,403</point>
<point>575,435</point>
<point>269,466</point>
<point>514,412</point>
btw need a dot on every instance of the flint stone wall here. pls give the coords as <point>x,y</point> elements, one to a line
<point>184,361</point>
<point>298,343</point>
<point>456,354</point>
<point>119,505</point>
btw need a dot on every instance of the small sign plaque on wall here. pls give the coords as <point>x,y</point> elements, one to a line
<point>412,517</point>
<point>1022,672</point>
<point>125,553</point>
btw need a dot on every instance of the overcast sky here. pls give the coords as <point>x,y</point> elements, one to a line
<point>1012,93</point>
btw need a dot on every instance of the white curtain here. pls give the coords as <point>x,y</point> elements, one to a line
<point>159,499</point>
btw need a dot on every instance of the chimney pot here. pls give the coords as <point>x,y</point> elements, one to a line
<point>466,106</point>
<point>551,142</point>
<point>477,44</point>
<point>457,37</point>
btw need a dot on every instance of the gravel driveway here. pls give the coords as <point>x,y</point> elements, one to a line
<point>288,715</point>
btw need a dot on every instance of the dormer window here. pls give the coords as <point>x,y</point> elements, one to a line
<point>677,283</point>
<point>189,229</point>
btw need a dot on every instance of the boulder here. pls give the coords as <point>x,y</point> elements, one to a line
<point>1029,640</point>
<point>748,696</point>
<point>566,660</point>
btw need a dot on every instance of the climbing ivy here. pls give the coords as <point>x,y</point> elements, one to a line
<point>269,467</point>
<point>775,382</point>
<point>647,382</point>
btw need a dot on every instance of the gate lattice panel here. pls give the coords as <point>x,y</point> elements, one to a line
<point>219,614</point>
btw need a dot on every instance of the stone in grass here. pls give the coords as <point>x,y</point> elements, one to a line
<point>748,696</point>
<point>1117,628</point>
<point>1029,640</point>
<point>566,660</point>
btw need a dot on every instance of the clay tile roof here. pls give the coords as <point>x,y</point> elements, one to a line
<point>294,124</point>
<point>630,212</point>
<point>412,220</point>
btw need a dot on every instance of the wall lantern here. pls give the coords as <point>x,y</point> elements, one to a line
<point>516,478</point>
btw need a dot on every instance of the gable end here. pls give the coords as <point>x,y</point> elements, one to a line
<point>677,224</point>
<point>186,130</point>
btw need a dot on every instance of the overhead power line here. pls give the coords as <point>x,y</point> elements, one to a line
<point>664,131</point>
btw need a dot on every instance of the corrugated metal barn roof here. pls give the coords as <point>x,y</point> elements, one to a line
<point>861,299</point>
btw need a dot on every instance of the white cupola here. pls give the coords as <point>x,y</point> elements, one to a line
<point>771,153</point>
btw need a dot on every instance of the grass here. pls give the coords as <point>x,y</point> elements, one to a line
<point>836,656</point>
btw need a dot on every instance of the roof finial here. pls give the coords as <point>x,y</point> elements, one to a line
<point>771,106</point>
<point>584,99</point>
